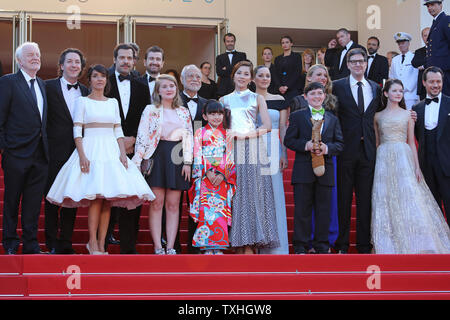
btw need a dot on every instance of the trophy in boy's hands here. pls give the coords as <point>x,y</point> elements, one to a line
<point>318,162</point>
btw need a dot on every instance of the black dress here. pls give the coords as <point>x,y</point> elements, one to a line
<point>288,72</point>
<point>208,91</point>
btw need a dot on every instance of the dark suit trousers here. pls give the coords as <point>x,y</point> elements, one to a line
<point>24,178</point>
<point>306,197</point>
<point>63,243</point>
<point>356,173</point>
<point>438,183</point>
<point>128,228</point>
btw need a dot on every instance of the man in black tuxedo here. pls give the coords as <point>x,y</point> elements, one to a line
<point>132,96</point>
<point>61,95</point>
<point>24,148</point>
<point>419,61</point>
<point>432,131</point>
<point>191,78</point>
<point>225,63</point>
<point>154,63</point>
<point>377,65</point>
<point>311,191</point>
<point>358,100</point>
<point>336,58</point>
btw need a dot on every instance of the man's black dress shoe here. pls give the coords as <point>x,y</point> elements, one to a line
<point>112,240</point>
<point>11,251</point>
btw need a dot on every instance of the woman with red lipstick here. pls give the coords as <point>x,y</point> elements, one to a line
<point>254,221</point>
<point>165,136</point>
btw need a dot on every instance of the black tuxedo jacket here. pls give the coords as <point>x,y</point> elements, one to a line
<point>139,99</point>
<point>379,70</point>
<point>59,126</point>
<point>443,134</point>
<point>332,59</point>
<point>21,127</point>
<point>299,133</point>
<point>225,83</point>
<point>420,60</point>
<point>198,116</point>
<point>144,80</point>
<point>354,124</point>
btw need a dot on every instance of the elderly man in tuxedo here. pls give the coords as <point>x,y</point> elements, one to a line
<point>432,130</point>
<point>61,95</point>
<point>24,148</point>
<point>225,63</point>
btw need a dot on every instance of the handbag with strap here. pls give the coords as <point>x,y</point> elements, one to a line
<point>146,167</point>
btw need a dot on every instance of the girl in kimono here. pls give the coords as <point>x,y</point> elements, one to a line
<point>214,180</point>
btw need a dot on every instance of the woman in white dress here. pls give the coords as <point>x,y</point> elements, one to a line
<point>406,218</point>
<point>98,174</point>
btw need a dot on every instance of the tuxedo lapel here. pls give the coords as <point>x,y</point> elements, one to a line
<point>23,85</point>
<point>374,96</point>
<point>444,112</point>
<point>44,97</point>
<point>63,101</point>
<point>349,95</point>
<point>326,123</point>
<point>116,94</point>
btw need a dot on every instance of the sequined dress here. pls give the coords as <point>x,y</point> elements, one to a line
<point>253,211</point>
<point>405,216</point>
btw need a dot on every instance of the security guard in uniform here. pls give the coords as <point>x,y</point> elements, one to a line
<point>402,69</point>
<point>438,46</point>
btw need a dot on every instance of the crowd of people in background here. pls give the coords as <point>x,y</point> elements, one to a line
<point>352,117</point>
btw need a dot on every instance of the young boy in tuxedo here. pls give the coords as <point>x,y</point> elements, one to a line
<point>311,191</point>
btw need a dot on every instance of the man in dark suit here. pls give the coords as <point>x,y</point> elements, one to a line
<point>24,148</point>
<point>225,63</point>
<point>191,78</point>
<point>377,65</point>
<point>438,44</point>
<point>336,58</point>
<point>419,62</point>
<point>132,96</point>
<point>154,63</point>
<point>311,191</point>
<point>432,131</point>
<point>61,95</point>
<point>358,99</point>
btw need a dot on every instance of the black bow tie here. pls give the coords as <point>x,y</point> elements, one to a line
<point>428,100</point>
<point>150,79</point>
<point>232,52</point>
<point>70,86</point>
<point>371,57</point>
<point>122,77</point>
<point>188,99</point>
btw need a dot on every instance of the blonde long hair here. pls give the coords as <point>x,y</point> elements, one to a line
<point>156,98</point>
<point>330,100</point>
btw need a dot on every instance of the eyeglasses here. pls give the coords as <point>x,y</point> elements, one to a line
<point>356,62</point>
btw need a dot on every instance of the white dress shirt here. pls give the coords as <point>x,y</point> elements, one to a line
<point>192,105</point>
<point>37,90</point>
<point>432,113</point>
<point>124,88</point>
<point>370,61</point>
<point>230,55</point>
<point>367,91</point>
<point>407,74</point>
<point>151,85</point>
<point>70,95</point>
<point>344,52</point>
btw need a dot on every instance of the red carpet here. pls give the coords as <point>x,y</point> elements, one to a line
<point>184,277</point>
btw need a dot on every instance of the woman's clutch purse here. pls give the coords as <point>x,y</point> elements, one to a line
<point>146,167</point>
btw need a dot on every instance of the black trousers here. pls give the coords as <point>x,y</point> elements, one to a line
<point>306,197</point>
<point>59,220</point>
<point>26,179</point>
<point>438,183</point>
<point>356,174</point>
<point>128,228</point>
